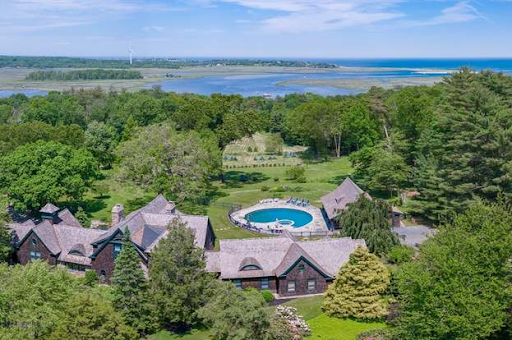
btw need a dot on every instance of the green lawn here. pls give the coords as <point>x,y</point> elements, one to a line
<point>193,335</point>
<point>327,328</point>
<point>321,178</point>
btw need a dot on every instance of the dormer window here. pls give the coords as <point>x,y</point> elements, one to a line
<point>250,267</point>
<point>249,263</point>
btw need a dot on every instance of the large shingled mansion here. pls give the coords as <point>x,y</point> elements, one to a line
<point>283,264</point>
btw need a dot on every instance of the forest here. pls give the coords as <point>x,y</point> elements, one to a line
<point>74,62</point>
<point>450,144</point>
<point>91,74</point>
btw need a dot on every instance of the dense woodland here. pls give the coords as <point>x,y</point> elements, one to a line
<point>91,74</point>
<point>450,143</point>
<point>71,62</point>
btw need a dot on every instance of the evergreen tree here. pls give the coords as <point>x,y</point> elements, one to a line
<point>177,276</point>
<point>460,286</point>
<point>82,217</point>
<point>475,154</point>
<point>6,248</point>
<point>89,316</point>
<point>369,220</point>
<point>130,289</point>
<point>356,291</point>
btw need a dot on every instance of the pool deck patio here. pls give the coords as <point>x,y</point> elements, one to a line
<point>316,225</point>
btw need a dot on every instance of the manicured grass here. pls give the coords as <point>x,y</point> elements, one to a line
<point>192,335</point>
<point>321,179</point>
<point>327,328</point>
<point>309,307</point>
<point>324,327</point>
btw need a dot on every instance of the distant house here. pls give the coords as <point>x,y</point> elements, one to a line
<point>61,240</point>
<point>335,202</point>
<point>281,264</point>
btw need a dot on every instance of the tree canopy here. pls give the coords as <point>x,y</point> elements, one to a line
<point>38,173</point>
<point>358,288</point>
<point>369,220</point>
<point>459,288</point>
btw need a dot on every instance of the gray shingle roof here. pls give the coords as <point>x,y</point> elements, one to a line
<point>67,218</point>
<point>149,224</point>
<point>337,201</point>
<point>49,209</point>
<point>276,255</point>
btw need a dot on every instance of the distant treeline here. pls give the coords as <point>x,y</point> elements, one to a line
<point>69,62</point>
<point>84,75</point>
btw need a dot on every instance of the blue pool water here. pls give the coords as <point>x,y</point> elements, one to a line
<point>299,217</point>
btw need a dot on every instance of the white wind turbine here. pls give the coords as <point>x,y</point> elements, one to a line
<point>131,54</point>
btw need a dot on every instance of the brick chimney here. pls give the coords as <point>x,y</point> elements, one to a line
<point>117,214</point>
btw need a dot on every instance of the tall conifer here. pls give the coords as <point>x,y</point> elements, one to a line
<point>130,288</point>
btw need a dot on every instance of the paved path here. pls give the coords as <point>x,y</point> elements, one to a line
<point>413,236</point>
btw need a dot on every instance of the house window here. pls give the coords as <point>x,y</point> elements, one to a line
<point>301,268</point>
<point>35,255</point>
<point>33,241</point>
<point>291,286</point>
<point>103,275</point>
<point>238,284</point>
<point>264,283</point>
<point>117,250</point>
<point>311,284</point>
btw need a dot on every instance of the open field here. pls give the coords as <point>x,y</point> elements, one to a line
<point>321,178</point>
<point>364,83</point>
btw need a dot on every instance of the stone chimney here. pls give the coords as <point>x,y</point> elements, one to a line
<point>117,214</point>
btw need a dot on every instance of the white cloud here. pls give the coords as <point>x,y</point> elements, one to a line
<point>32,15</point>
<point>460,12</point>
<point>321,15</point>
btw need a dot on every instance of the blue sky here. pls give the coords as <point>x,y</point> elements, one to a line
<point>258,28</point>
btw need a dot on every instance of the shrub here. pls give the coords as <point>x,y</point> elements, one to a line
<point>296,173</point>
<point>278,189</point>
<point>374,334</point>
<point>297,324</point>
<point>265,188</point>
<point>90,278</point>
<point>276,179</point>
<point>267,295</point>
<point>400,254</point>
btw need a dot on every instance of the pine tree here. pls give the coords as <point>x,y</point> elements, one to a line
<point>369,220</point>
<point>178,276</point>
<point>474,156</point>
<point>356,292</point>
<point>130,288</point>
<point>6,248</point>
<point>82,217</point>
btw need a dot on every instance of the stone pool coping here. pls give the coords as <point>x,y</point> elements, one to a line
<point>317,224</point>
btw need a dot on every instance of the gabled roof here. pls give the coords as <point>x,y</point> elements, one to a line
<point>149,224</point>
<point>67,218</point>
<point>49,209</point>
<point>293,256</point>
<point>277,256</point>
<point>337,201</point>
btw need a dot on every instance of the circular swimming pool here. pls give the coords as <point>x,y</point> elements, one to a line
<point>300,218</point>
